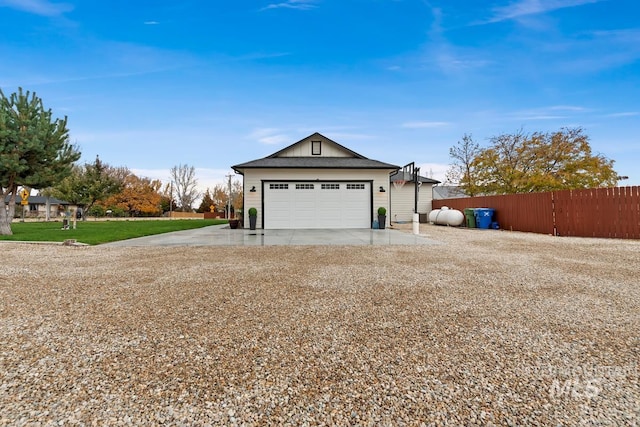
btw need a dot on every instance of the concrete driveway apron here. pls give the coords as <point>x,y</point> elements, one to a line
<point>222,235</point>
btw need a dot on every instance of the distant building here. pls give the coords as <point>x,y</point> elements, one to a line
<point>37,207</point>
<point>448,192</point>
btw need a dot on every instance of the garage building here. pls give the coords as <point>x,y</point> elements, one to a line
<point>315,183</point>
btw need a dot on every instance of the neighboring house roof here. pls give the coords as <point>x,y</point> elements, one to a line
<point>352,161</point>
<point>448,192</point>
<point>40,200</point>
<point>404,176</point>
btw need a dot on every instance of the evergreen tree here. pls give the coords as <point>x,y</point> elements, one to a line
<point>207,202</point>
<point>34,149</point>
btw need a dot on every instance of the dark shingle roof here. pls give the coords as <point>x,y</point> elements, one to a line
<point>409,177</point>
<point>315,163</point>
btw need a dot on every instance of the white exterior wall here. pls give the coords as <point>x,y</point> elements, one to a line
<point>254,177</point>
<point>402,201</point>
<point>303,149</point>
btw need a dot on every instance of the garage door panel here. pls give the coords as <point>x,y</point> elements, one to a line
<point>354,197</point>
<point>280,200</point>
<point>317,205</point>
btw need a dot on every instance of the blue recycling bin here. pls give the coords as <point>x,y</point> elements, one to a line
<point>484,217</point>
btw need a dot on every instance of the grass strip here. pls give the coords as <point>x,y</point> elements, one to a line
<point>97,232</point>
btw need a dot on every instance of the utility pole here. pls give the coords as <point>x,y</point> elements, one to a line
<point>229,201</point>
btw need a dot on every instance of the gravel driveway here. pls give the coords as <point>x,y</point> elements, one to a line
<point>489,327</point>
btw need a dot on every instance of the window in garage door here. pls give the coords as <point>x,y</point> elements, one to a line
<point>278,186</point>
<point>330,186</point>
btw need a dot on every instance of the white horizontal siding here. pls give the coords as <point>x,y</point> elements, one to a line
<point>402,201</point>
<point>255,177</point>
<point>327,149</point>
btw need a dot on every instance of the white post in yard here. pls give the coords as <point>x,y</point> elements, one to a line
<point>416,187</point>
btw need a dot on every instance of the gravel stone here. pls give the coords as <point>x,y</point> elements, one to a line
<point>488,328</point>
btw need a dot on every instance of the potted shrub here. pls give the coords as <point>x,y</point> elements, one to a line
<point>382,217</point>
<point>253,217</point>
<point>234,222</point>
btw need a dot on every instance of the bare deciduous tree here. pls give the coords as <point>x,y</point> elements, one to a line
<point>461,172</point>
<point>183,179</point>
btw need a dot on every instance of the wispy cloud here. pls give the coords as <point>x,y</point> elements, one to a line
<point>255,56</point>
<point>38,7</point>
<point>336,132</point>
<point>424,125</point>
<point>348,136</point>
<point>625,114</point>
<point>524,8</point>
<point>569,108</point>
<point>434,170</point>
<point>629,35</point>
<point>50,80</point>
<point>602,50</point>
<point>449,61</point>
<point>270,136</point>
<point>448,57</point>
<point>538,117</point>
<point>292,4</point>
<point>554,112</point>
<point>207,178</point>
<point>151,23</point>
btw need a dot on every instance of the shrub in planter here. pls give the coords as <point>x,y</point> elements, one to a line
<point>253,216</point>
<point>382,217</point>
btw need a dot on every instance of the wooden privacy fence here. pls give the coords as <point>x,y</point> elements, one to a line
<point>597,212</point>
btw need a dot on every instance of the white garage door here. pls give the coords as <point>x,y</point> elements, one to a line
<point>317,205</point>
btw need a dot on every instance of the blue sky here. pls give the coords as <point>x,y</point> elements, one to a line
<point>150,84</point>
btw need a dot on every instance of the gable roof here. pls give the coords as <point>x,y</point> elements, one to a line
<point>317,135</point>
<point>353,161</point>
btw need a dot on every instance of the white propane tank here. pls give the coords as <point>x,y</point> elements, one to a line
<point>446,216</point>
<point>433,215</point>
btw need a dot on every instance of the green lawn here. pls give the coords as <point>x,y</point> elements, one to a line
<point>96,232</point>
